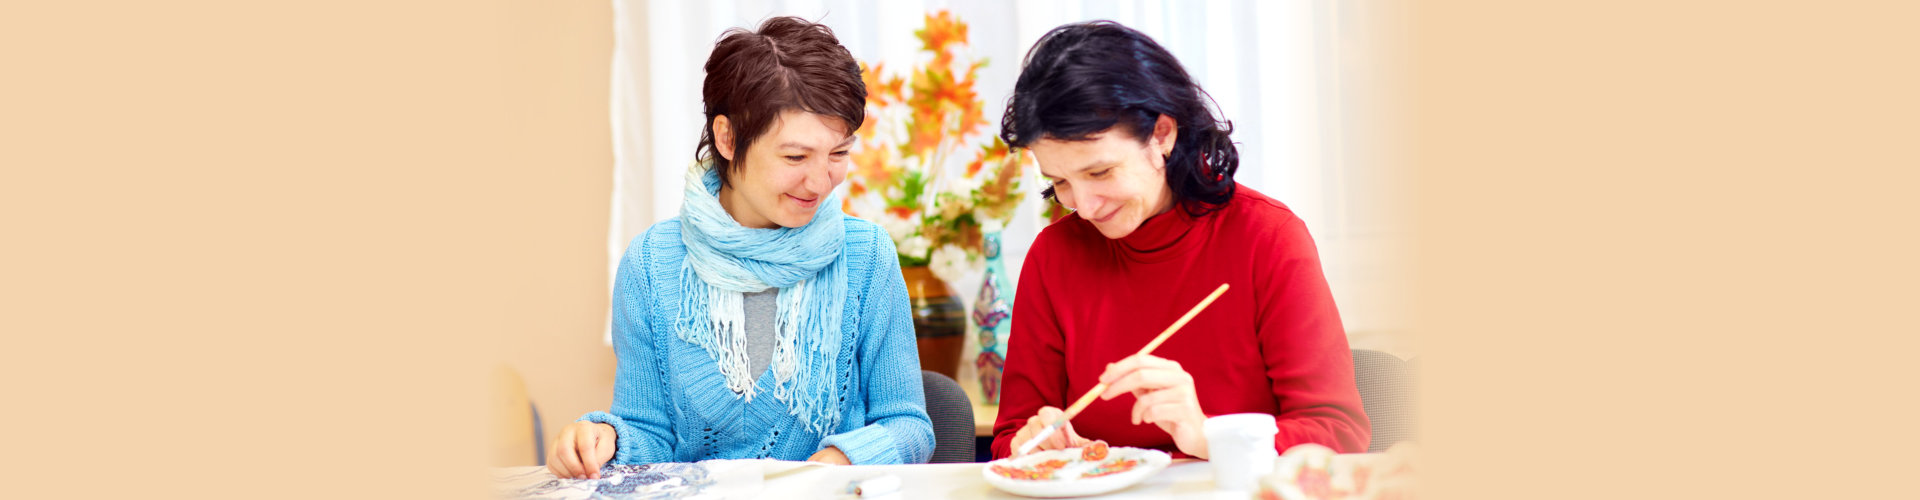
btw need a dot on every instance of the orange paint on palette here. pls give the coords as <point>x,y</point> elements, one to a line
<point>1094,452</point>
<point>1039,471</point>
<point>1111,468</point>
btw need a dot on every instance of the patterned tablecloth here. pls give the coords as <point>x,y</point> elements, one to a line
<point>709,479</point>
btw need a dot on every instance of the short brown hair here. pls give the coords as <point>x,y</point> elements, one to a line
<point>788,64</point>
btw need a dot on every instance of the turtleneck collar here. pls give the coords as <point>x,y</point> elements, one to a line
<point>1162,237</point>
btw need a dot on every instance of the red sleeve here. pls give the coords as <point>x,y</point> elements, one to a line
<point>1035,374</point>
<point>1304,347</point>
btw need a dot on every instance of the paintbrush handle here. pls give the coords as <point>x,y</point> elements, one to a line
<point>1081,404</point>
<point>1045,433</point>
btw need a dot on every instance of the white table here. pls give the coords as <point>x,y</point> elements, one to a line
<point>770,479</point>
<point>1185,478</point>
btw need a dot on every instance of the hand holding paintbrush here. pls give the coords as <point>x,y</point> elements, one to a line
<point>1097,390</point>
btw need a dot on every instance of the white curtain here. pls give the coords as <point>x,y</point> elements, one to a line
<point>1281,71</point>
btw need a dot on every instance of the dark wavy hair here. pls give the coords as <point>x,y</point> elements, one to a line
<point>1081,79</point>
<point>788,64</point>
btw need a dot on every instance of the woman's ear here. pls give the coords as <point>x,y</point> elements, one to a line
<point>723,136</point>
<point>1165,132</point>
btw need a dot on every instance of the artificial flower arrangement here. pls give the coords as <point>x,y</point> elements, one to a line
<point>920,130</point>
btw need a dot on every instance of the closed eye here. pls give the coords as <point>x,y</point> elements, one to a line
<point>796,159</point>
<point>1102,173</point>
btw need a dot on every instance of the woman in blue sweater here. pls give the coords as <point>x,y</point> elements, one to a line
<point>762,322</point>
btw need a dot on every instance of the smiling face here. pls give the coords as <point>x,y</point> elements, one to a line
<point>787,172</point>
<point>1111,179</point>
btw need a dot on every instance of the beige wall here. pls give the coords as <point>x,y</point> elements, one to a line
<point>249,244</point>
<point>552,336</point>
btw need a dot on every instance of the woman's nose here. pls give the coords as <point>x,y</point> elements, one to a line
<point>823,177</point>
<point>1081,201</point>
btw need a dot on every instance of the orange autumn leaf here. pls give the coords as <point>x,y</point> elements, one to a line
<point>881,90</point>
<point>999,195</point>
<point>993,152</point>
<point>930,89</point>
<point>867,128</point>
<point>971,108</point>
<point>926,134</point>
<point>943,107</point>
<point>870,168</point>
<point>942,31</point>
<point>936,91</point>
<point>1003,180</point>
<point>940,88</point>
<point>870,77</point>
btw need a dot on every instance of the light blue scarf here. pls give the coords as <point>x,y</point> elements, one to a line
<point>726,260</point>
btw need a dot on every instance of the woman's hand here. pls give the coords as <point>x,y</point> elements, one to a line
<point>581,449</point>
<point>830,455</point>
<point>1063,438</point>
<point>1164,397</point>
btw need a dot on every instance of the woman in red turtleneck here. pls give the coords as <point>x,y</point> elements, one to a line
<point>1127,141</point>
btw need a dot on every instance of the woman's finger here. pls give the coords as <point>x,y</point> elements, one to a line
<point>1066,437</point>
<point>1035,424</point>
<point>605,447</point>
<point>1164,414</point>
<point>1148,379</point>
<point>1027,436</point>
<point>1019,441</point>
<point>1025,433</point>
<point>553,460</point>
<point>584,443</point>
<point>1048,416</point>
<point>569,458</point>
<point>1058,440</point>
<point>1074,440</point>
<point>1147,399</point>
<point>1136,362</point>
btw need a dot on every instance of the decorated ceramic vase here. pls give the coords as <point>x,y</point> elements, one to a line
<point>992,317</point>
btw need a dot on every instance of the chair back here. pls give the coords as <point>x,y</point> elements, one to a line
<point>952,414</point>
<point>1386,394</point>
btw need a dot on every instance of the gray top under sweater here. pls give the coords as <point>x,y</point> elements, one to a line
<point>761,308</point>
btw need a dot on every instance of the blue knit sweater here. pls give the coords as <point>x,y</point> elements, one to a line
<point>670,403</point>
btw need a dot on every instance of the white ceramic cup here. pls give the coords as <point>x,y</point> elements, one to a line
<point>1241,449</point>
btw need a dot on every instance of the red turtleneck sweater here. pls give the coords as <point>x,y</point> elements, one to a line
<point>1272,344</point>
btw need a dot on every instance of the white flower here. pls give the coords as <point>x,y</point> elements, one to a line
<point>951,206</point>
<point>962,186</point>
<point>914,246</point>
<point>897,227</point>
<point>988,224</point>
<point>950,263</point>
